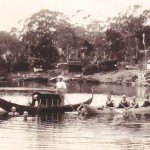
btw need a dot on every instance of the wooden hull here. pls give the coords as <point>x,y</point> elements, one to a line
<point>94,110</point>
<point>140,110</point>
<point>39,110</point>
<point>137,111</point>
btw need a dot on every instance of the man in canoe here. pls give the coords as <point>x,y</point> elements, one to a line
<point>124,103</point>
<point>146,102</point>
<point>109,102</point>
<point>134,103</point>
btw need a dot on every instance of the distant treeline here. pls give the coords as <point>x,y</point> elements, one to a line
<point>48,37</point>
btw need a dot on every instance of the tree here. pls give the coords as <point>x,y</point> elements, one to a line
<point>130,25</point>
<point>44,53</point>
<point>39,37</point>
<point>115,40</point>
<point>10,51</point>
<point>66,40</point>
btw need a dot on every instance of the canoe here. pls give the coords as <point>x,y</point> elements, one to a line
<point>95,110</point>
<point>139,111</point>
<point>49,104</point>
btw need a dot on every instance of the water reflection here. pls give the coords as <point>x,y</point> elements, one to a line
<point>51,118</point>
<point>76,87</point>
<point>69,131</point>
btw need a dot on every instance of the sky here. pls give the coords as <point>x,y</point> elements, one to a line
<point>12,11</point>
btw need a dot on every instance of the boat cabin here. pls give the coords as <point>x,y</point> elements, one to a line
<point>46,99</point>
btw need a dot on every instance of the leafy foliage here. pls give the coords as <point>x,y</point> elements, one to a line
<point>48,35</point>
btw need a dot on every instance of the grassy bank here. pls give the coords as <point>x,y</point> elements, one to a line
<point>115,77</point>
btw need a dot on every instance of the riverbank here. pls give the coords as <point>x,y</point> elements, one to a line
<point>115,77</point>
<point>132,77</point>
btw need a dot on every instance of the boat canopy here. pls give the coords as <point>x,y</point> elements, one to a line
<point>46,99</point>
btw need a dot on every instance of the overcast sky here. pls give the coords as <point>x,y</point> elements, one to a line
<point>11,11</point>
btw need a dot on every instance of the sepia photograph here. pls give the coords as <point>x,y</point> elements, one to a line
<point>74,75</point>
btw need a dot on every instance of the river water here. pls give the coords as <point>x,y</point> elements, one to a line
<point>72,132</point>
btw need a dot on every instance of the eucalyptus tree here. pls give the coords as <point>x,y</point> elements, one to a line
<point>39,37</point>
<point>130,25</point>
<point>10,51</point>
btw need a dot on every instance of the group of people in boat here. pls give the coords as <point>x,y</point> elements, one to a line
<point>124,103</point>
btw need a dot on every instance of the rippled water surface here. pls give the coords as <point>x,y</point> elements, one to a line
<point>70,131</point>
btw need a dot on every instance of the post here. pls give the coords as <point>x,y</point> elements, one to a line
<point>67,53</point>
<point>143,39</point>
<point>145,51</point>
<point>145,60</point>
<point>136,46</point>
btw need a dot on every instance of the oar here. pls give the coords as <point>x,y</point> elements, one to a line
<point>119,111</point>
<point>66,99</point>
<point>69,103</point>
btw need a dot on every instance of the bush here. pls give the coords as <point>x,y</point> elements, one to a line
<point>90,69</point>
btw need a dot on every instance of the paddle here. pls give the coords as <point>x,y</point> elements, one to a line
<point>68,102</point>
<point>119,110</point>
<point>63,95</point>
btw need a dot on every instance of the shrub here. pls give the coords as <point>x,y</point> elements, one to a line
<point>90,69</point>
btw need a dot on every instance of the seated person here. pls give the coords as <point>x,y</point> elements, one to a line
<point>109,102</point>
<point>146,102</point>
<point>134,104</point>
<point>124,103</point>
<point>35,100</point>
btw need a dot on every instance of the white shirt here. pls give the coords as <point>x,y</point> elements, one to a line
<point>36,104</point>
<point>61,86</point>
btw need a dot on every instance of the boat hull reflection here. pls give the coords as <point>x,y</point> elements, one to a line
<point>50,118</point>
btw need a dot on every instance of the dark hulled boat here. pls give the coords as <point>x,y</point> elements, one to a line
<point>47,103</point>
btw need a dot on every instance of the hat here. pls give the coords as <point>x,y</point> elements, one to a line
<point>35,96</point>
<point>60,77</point>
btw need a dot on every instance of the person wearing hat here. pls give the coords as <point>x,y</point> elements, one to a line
<point>124,103</point>
<point>60,85</point>
<point>61,88</point>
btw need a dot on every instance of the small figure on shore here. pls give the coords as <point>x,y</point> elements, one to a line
<point>134,103</point>
<point>109,102</point>
<point>124,103</point>
<point>13,112</point>
<point>146,102</point>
